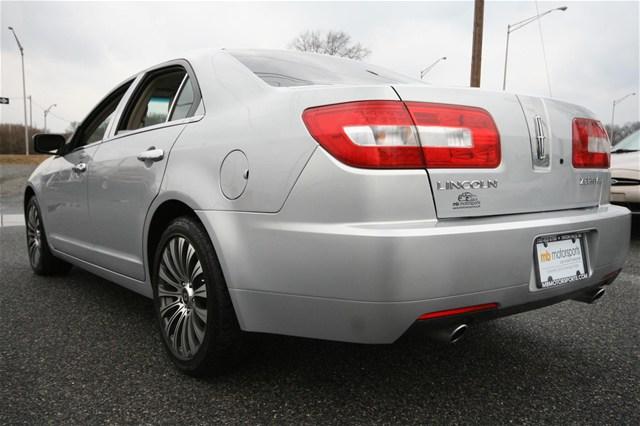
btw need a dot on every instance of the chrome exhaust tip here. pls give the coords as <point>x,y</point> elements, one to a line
<point>458,333</point>
<point>448,335</point>
<point>590,296</point>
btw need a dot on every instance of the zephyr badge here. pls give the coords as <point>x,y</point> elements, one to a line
<point>589,180</point>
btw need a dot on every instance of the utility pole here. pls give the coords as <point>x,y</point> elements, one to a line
<point>476,53</point>
<point>24,94</point>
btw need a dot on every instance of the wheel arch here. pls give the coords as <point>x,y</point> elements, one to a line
<point>165,212</point>
<point>29,192</point>
<point>166,207</point>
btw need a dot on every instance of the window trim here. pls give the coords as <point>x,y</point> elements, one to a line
<point>162,125</point>
<point>141,80</point>
<point>134,107</point>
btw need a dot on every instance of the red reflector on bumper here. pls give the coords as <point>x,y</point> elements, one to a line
<point>458,311</point>
<point>610,277</point>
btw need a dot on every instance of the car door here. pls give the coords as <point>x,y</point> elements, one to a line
<point>63,199</point>
<point>128,168</point>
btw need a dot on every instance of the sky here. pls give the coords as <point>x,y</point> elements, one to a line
<point>75,52</point>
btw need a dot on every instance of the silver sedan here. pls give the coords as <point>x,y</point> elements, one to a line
<point>307,195</point>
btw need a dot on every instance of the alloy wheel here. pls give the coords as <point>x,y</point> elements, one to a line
<point>34,235</point>
<point>182,297</point>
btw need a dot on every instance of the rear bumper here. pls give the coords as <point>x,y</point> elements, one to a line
<point>369,282</point>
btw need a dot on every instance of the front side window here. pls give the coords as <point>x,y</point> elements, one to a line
<point>97,134</point>
<point>162,96</point>
<point>94,127</point>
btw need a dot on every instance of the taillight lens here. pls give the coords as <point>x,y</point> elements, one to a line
<point>369,134</point>
<point>454,136</point>
<point>591,146</point>
<point>392,134</point>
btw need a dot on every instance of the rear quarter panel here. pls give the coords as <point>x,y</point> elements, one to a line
<point>265,123</point>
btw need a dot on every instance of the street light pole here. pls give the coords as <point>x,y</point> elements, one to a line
<point>46,112</point>
<point>24,94</point>
<point>430,67</point>
<point>613,111</point>
<point>513,27</point>
<point>30,112</point>
<point>506,56</point>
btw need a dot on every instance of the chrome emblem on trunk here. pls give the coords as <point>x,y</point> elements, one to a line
<point>589,180</point>
<point>467,184</point>
<point>540,137</point>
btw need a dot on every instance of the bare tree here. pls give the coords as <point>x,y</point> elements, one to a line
<point>336,43</point>
<point>72,127</point>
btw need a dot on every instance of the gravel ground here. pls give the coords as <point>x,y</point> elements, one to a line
<point>80,350</point>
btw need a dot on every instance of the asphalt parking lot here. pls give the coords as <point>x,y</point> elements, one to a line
<point>78,349</point>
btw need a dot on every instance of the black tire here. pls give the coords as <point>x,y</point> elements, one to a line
<point>222,346</point>
<point>42,261</point>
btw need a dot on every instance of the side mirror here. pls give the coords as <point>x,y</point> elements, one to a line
<point>48,143</point>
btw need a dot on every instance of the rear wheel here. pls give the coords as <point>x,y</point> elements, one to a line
<point>42,261</point>
<point>194,312</point>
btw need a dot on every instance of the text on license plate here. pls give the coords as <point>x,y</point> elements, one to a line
<point>560,259</point>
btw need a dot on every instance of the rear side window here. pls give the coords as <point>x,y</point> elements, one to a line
<point>288,68</point>
<point>184,101</point>
<point>164,95</point>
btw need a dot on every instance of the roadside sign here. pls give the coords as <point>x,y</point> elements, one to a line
<point>4,101</point>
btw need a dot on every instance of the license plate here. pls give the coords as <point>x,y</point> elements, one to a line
<point>560,259</point>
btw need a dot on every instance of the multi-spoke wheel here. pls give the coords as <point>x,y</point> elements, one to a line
<point>42,261</point>
<point>182,295</point>
<point>34,234</point>
<point>193,309</point>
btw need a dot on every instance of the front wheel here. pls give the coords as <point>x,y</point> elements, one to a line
<point>194,312</point>
<point>42,261</point>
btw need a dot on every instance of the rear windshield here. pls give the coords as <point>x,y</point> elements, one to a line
<point>288,68</point>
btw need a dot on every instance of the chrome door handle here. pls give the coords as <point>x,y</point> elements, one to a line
<point>80,168</point>
<point>152,154</point>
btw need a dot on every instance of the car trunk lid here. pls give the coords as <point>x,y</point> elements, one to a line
<point>535,173</point>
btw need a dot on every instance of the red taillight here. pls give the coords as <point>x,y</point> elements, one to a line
<point>458,311</point>
<point>392,134</point>
<point>369,134</point>
<point>591,145</point>
<point>471,138</point>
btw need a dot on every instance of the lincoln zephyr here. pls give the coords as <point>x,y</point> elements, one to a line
<point>250,191</point>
